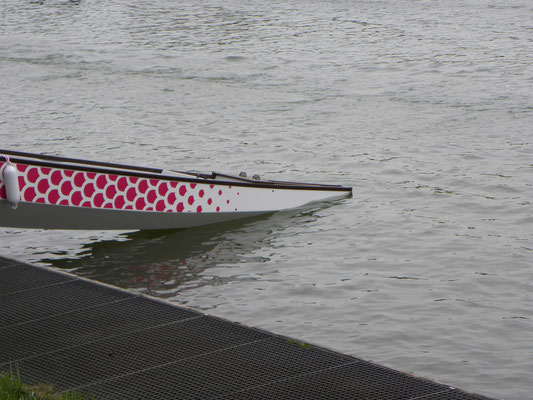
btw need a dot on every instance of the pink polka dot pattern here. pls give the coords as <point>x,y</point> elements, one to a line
<point>59,186</point>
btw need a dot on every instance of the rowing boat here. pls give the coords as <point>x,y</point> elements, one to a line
<point>51,192</point>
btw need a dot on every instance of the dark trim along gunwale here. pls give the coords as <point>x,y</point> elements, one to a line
<point>155,173</point>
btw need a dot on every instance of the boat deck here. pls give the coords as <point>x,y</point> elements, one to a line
<point>104,342</point>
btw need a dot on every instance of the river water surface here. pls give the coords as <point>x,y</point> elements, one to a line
<point>424,107</point>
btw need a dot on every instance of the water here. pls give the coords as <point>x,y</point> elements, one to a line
<point>424,107</point>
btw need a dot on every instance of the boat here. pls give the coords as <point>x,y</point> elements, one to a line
<point>52,192</point>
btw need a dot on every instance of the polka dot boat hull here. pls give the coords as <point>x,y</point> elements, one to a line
<point>66,193</point>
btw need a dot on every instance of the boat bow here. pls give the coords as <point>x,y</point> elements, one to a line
<point>67,193</point>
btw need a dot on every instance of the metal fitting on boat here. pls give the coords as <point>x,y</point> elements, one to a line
<point>243,174</point>
<point>256,177</point>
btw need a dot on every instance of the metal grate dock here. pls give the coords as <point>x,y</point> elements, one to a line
<point>107,343</point>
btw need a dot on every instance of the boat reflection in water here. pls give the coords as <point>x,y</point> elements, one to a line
<point>166,262</point>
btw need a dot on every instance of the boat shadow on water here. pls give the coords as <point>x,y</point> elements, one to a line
<point>166,262</point>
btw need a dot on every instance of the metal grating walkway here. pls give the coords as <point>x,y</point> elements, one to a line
<point>104,342</point>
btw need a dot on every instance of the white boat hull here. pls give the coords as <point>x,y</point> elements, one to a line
<point>67,194</point>
<point>41,216</point>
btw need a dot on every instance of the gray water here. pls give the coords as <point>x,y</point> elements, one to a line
<point>424,107</point>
